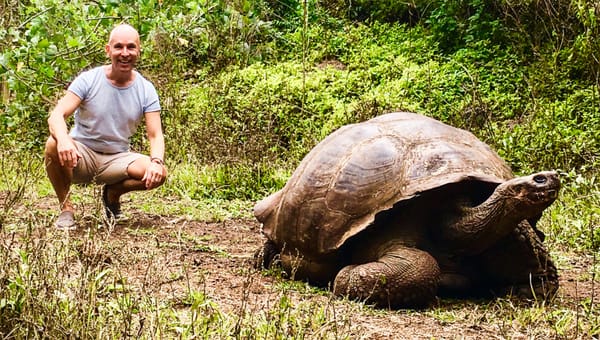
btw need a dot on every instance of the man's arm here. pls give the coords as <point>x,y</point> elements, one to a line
<point>156,171</point>
<point>155,135</point>
<point>67,152</point>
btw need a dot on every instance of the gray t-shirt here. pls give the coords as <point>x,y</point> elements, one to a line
<point>108,115</point>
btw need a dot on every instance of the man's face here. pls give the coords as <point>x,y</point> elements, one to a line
<point>123,49</point>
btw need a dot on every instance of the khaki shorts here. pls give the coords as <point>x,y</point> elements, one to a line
<point>102,168</point>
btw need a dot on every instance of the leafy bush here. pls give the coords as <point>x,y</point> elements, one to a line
<point>39,57</point>
<point>200,34</point>
<point>561,134</point>
<point>410,12</point>
<point>456,24</point>
<point>239,92</point>
<point>276,113</point>
<point>263,113</point>
<point>50,42</point>
<point>225,182</point>
<point>573,221</point>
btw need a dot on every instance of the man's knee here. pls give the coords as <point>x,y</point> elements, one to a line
<point>50,149</point>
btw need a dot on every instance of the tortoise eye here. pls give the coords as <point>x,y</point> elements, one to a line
<point>540,179</point>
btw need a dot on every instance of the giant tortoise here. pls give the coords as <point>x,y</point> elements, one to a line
<point>402,208</point>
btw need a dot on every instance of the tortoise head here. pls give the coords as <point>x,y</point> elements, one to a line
<point>530,195</point>
<point>532,271</point>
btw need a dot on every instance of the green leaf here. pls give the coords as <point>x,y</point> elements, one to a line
<point>72,42</point>
<point>44,43</point>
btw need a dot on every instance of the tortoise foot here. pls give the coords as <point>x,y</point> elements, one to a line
<point>403,278</point>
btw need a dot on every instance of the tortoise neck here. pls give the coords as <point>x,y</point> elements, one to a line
<point>476,228</point>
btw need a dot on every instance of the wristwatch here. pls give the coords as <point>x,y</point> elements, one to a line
<point>157,160</point>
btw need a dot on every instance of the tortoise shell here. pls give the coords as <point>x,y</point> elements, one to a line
<point>365,168</point>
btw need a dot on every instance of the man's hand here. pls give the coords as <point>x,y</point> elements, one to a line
<point>155,175</point>
<point>68,155</point>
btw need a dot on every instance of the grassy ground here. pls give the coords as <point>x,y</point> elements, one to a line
<point>178,267</point>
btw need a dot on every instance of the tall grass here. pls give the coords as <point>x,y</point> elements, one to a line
<point>60,287</point>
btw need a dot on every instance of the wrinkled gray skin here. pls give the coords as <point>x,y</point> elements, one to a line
<point>401,208</point>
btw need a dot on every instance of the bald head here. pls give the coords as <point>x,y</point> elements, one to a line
<point>124,31</point>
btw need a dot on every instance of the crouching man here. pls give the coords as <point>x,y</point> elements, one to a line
<point>108,102</point>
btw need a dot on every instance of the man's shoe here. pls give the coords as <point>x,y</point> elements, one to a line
<point>65,221</point>
<point>112,210</point>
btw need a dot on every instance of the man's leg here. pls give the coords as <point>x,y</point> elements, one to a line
<point>135,171</point>
<point>114,191</point>
<point>60,177</point>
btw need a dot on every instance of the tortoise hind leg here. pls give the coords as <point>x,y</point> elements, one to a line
<point>295,266</point>
<point>401,277</point>
<point>266,256</point>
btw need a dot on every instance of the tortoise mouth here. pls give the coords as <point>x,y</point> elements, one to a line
<point>544,196</point>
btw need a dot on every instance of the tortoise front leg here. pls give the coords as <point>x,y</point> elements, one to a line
<point>519,264</point>
<point>401,277</point>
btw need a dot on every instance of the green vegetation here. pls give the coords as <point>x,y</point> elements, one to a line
<point>247,89</point>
